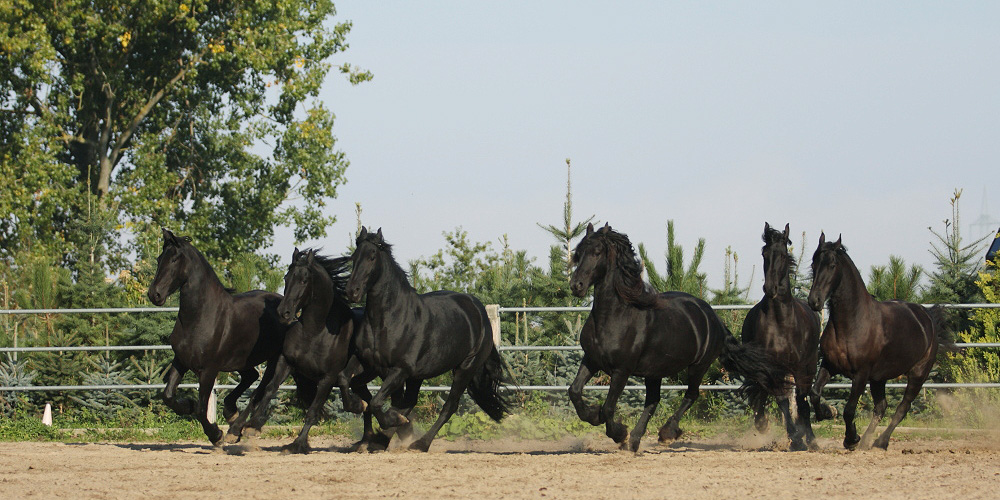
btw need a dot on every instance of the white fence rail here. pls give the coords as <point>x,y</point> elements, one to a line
<point>501,310</point>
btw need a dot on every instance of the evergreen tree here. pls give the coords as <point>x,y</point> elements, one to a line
<point>570,230</point>
<point>677,278</point>
<point>957,265</point>
<point>894,281</point>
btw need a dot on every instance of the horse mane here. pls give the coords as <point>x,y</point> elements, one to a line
<point>336,268</point>
<point>628,282</point>
<point>385,247</point>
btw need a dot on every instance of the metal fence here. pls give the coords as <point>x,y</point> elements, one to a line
<point>502,348</point>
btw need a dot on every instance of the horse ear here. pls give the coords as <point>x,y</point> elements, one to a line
<point>363,233</point>
<point>378,237</point>
<point>786,233</point>
<point>590,228</point>
<point>822,237</point>
<point>838,244</point>
<point>168,237</point>
<point>295,254</point>
<point>310,257</point>
<point>606,228</point>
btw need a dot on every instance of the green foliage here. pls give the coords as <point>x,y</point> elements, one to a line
<point>166,130</point>
<point>14,373</point>
<point>105,404</point>
<point>894,281</point>
<point>677,278</point>
<point>570,230</point>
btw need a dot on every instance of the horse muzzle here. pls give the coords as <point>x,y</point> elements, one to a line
<point>578,288</point>
<point>156,298</point>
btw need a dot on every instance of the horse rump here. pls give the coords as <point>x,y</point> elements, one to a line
<point>485,387</point>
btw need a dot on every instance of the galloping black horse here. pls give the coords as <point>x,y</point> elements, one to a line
<point>215,331</point>
<point>414,337</point>
<point>317,345</point>
<point>633,330</point>
<point>869,341</point>
<point>788,330</point>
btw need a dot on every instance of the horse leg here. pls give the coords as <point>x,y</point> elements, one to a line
<point>229,409</point>
<point>878,396</point>
<point>407,401</point>
<point>794,436</point>
<point>823,410</point>
<point>802,409</point>
<point>460,382</point>
<point>370,440</point>
<point>257,413</point>
<point>173,378</point>
<point>652,401</point>
<point>206,382</point>
<point>390,384</point>
<point>301,442</point>
<point>671,430</point>
<point>349,398</point>
<point>612,428</point>
<point>760,416</point>
<point>587,413</point>
<point>913,385</point>
<point>851,437</point>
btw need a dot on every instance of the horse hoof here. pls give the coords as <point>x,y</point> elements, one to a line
<point>296,448</point>
<point>420,445</point>
<point>798,446</point>
<point>879,443</point>
<point>851,444</point>
<point>232,438</point>
<point>825,412</point>
<point>251,432</point>
<point>671,434</point>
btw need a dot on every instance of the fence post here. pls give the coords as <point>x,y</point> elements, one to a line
<point>493,312</point>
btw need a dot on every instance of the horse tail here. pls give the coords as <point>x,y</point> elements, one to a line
<point>485,387</point>
<point>750,362</point>
<point>945,337</point>
<point>305,390</point>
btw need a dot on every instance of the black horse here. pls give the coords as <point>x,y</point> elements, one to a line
<point>414,337</point>
<point>317,346</point>
<point>215,331</point>
<point>788,330</point>
<point>633,330</point>
<point>869,341</point>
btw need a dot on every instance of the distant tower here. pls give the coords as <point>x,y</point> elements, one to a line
<point>984,224</point>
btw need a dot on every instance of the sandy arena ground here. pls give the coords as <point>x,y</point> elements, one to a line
<point>966,467</point>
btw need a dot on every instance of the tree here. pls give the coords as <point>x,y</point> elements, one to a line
<point>957,266</point>
<point>191,113</point>
<point>677,278</point>
<point>894,281</point>
<point>570,230</point>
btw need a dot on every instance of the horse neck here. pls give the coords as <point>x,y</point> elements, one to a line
<point>850,299</point>
<point>391,292</point>
<point>607,302</point>
<point>201,284</point>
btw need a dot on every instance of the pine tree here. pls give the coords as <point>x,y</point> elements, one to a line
<point>677,278</point>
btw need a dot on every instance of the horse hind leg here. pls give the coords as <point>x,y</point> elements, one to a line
<point>206,382</point>
<point>460,382</point>
<point>671,430</point>
<point>229,409</point>
<point>913,385</point>
<point>301,442</point>
<point>652,401</point>
<point>823,410</point>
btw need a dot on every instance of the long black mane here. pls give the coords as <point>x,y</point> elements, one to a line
<point>399,274</point>
<point>628,282</point>
<point>336,268</point>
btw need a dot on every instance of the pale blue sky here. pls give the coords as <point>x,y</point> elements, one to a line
<point>851,118</point>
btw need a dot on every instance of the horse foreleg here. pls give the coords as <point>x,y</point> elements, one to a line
<point>671,429</point>
<point>802,409</point>
<point>173,378</point>
<point>878,397</point>
<point>349,398</point>
<point>391,383</point>
<point>913,385</point>
<point>206,382</point>
<point>823,410</point>
<point>851,437</point>
<point>229,409</point>
<point>301,442</point>
<point>652,401</point>
<point>587,413</point>
<point>460,382</point>
<point>613,428</point>
<point>790,423</point>
<point>407,401</point>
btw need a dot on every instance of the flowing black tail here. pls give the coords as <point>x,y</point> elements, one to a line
<point>485,387</point>
<point>945,337</point>
<point>750,362</point>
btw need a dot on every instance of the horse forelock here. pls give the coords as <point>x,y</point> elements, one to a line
<point>776,241</point>
<point>334,267</point>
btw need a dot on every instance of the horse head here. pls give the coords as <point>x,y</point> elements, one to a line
<point>298,285</point>
<point>172,267</point>
<point>777,262</point>
<point>826,275</point>
<point>365,263</point>
<point>591,259</point>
